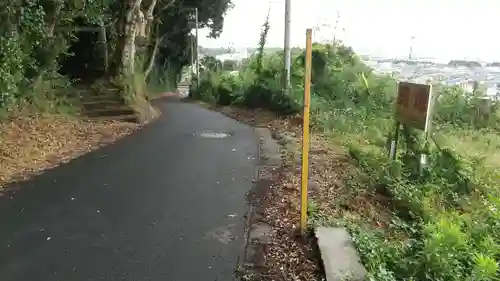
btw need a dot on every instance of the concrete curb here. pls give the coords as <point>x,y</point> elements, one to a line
<point>257,232</point>
<point>340,258</point>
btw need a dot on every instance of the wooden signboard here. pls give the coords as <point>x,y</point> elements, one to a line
<point>413,104</point>
<point>413,108</point>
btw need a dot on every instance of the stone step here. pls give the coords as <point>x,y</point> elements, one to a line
<point>109,112</point>
<point>101,98</point>
<point>125,118</point>
<point>98,100</point>
<point>94,105</point>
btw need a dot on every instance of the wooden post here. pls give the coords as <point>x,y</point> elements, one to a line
<point>104,42</point>
<point>394,141</point>
<point>305,134</point>
<point>427,129</point>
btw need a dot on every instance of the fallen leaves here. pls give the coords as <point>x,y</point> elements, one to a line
<point>29,145</point>
<point>289,257</point>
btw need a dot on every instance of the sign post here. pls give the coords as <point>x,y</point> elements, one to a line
<point>413,109</point>
<point>394,141</point>
<point>305,134</point>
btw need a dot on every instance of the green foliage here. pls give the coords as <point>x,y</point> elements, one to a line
<point>444,217</point>
<point>260,50</point>
<point>210,63</point>
<point>257,84</point>
<point>160,81</point>
<point>35,36</point>
<point>32,45</point>
<point>11,69</point>
<point>176,23</point>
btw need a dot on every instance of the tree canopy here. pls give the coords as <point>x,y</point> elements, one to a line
<point>37,35</point>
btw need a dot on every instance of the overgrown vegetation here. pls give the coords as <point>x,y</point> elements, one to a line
<point>51,48</point>
<point>444,222</point>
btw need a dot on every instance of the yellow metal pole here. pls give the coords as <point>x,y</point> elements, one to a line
<point>305,134</point>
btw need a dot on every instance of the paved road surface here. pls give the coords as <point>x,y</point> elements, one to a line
<point>160,205</point>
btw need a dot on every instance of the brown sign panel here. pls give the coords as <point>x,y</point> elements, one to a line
<point>412,104</point>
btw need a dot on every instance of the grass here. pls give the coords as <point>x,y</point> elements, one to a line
<point>475,144</point>
<point>425,228</point>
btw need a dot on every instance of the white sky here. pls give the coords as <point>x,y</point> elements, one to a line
<point>443,28</point>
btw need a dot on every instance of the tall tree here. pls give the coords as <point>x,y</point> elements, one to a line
<point>162,24</point>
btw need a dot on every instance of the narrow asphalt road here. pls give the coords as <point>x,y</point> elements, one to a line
<point>163,204</point>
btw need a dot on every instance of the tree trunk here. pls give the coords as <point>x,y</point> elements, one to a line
<point>127,27</point>
<point>103,38</point>
<point>134,20</point>
<point>134,23</point>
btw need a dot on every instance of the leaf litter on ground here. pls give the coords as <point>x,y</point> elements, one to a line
<point>31,144</point>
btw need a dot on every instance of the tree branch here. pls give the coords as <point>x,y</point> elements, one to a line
<point>149,17</point>
<point>166,6</point>
<point>130,13</point>
<point>151,64</point>
<point>151,8</point>
<point>58,6</point>
<point>152,59</point>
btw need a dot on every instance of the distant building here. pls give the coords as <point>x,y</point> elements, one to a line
<point>238,56</point>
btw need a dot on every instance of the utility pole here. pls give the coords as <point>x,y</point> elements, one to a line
<point>192,41</point>
<point>197,55</point>
<point>335,27</point>
<point>287,50</point>
<point>410,55</point>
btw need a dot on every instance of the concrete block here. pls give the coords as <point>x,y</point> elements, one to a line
<point>340,258</point>
<point>260,233</point>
